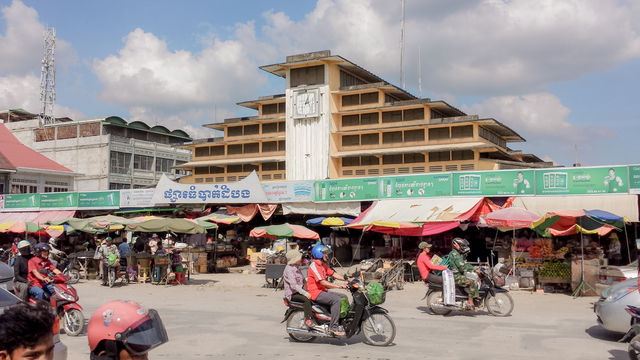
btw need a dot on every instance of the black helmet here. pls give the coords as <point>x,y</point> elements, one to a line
<point>460,244</point>
<point>42,247</point>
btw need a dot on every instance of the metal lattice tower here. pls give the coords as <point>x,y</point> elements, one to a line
<point>48,78</point>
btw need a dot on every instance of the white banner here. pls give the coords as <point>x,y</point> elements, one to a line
<point>246,191</point>
<point>289,191</point>
<point>136,198</point>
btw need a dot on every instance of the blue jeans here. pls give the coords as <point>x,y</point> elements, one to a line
<point>39,293</point>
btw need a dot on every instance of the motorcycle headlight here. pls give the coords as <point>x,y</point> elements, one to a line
<point>619,294</point>
<point>65,295</point>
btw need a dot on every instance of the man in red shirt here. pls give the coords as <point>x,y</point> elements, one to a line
<point>317,286</point>
<point>425,266</point>
<point>38,267</point>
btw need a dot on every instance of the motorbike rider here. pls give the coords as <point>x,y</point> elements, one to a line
<point>294,285</point>
<point>459,265</point>
<point>317,285</point>
<point>425,266</point>
<point>21,270</point>
<point>55,255</point>
<point>124,330</point>
<point>38,266</point>
<point>106,250</point>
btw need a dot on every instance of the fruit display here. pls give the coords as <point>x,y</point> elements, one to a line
<point>543,248</point>
<point>555,270</point>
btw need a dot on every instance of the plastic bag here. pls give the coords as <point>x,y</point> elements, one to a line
<point>344,307</point>
<point>375,293</point>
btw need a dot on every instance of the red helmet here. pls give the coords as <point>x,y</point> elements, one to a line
<point>138,329</point>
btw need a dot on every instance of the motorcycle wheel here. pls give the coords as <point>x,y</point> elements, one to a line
<point>296,320</point>
<point>633,353</point>
<point>499,305</point>
<point>112,278</point>
<point>73,275</point>
<point>378,329</point>
<point>436,298</point>
<point>73,322</point>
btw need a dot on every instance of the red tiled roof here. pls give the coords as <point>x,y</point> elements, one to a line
<point>5,164</point>
<point>19,155</point>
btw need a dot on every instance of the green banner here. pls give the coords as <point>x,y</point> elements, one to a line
<point>99,199</point>
<point>59,200</point>
<point>488,183</point>
<point>21,201</point>
<point>634,179</point>
<point>576,181</point>
<point>346,189</point>
<point>411,186</point>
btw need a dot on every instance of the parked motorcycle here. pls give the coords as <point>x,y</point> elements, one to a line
<point>496,299</point>
<point>633,335</point>
<point>68,265</point>
<point>364,315</point>
<point>65,303</point>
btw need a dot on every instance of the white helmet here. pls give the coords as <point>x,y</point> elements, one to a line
<point>53,241</point>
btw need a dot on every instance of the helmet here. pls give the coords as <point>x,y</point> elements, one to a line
<point>42,247</point>
<point>139,330</point>
<point>52,241</point>
<point>23,243</point>
<point>460,244</point>
<point>319,251</point>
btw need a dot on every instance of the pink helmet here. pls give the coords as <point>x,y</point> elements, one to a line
<point>137,328</point>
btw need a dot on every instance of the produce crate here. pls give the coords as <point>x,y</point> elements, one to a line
<point>202,269</point>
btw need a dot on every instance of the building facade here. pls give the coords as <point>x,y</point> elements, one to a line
<point>107,153</point>
<point>338,120</point>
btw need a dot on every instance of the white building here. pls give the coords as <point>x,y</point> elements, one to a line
<point>108,153</point>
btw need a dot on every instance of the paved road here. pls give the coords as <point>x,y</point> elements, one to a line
<point>231,316</point>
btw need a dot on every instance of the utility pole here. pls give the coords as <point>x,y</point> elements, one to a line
<point>420,72</point>
<point>402,45</point>
<point>48,78</point>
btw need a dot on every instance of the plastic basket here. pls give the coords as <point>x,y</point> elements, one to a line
<point>375,293</point>
<point>161,260</point>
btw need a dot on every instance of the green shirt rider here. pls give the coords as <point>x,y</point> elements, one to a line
<point>460,266</point>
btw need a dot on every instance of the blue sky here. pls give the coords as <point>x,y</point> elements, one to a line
<point>560,72</point>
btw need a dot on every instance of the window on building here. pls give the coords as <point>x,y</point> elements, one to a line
<point>202,170</point>
<point>181,171</point>
<point>351,161</point>
<point>462,155</point>
<point>413,158</point>
<point>282,126</point>
<point>202,151</point>
<point>462,131</point>
<point>251,148</point>
<point>414,135</point>
<point>311,75</point>
<point>391,116</point>
<point>392,159</point>
<point>282,145</point>
<point>234,149</point>
<point>369,98</point>
<point>269,128</point>
<point>350,120</point>
<point>370,139</point>
<point>348,79</point>
<point>217,150</point>
<point>282,165</point>
<point>269,166</point>
<point>439,156</point>
<point>491,136</point>
<point>164,165</point>
<point>439,133</point>
<point>392,137</point>
<point>142,162</point>
<point>369,160</point>
<point>234,168</point>
<point>234,131</point>
<point>350,140</point>
<point>369,118</point>
<point>118,186</point>
<point>251,129</point>
<point>269,146</point>
<point>216,170</point>
<point>413,114</point>
<point>435,114</point>
<point>23,189</point>
<point>250,167</point>
<point>120,162</point>
<point>351,100</point>
<point>269,109</point>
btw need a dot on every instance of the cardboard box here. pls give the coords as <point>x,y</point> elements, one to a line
<point>202,261</point>
<point>202,269</point>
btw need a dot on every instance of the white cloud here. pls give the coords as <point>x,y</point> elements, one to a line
<point>22,43</point>
<point>540,118</point>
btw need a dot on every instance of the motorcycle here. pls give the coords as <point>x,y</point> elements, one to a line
<point>111,270</point>
<point>496,299</point>
<point>65,303</point>
<point>364,315</point>
<point>633,335</point>
<point>67,264</point>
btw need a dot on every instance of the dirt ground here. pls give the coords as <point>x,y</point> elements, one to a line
<point>232,316</point>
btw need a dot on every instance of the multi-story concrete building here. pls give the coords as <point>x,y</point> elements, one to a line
<point>108,153</point>
<point>336,119</point>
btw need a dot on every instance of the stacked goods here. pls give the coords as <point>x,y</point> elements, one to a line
<point>555,270</point>
<point>542,249</point>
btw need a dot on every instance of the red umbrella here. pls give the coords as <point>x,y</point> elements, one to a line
<point>511,218</point>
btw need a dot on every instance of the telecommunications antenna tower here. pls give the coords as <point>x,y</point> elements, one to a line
<point>48,78</point>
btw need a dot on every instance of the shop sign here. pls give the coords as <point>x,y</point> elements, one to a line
<point>59,200</point>
<point>413,186</point>
<point>634,179</point>
<point>289,191</point>
<point>577,181</point>
<point>22,201</point>
<point>488,183</point>
<point>99,199</point>
<point>346,189</point>
<point>247,190</point>
<point>136,198</point>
